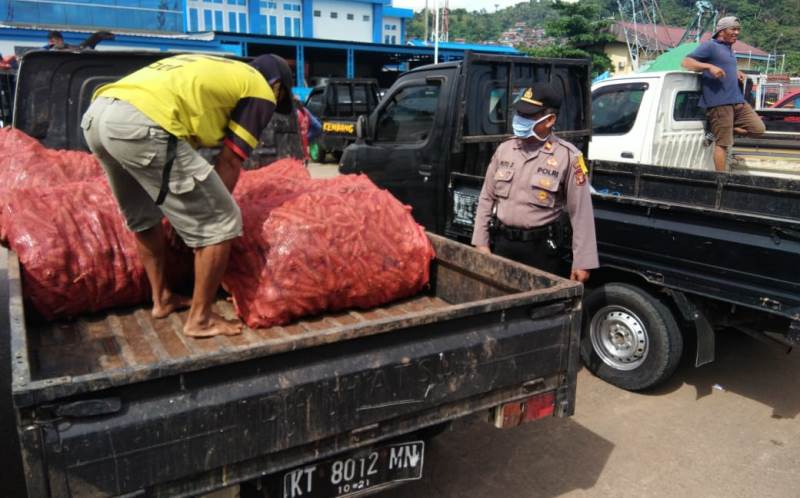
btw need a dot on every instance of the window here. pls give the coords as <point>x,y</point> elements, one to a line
<point>614,108</point>
<point>386,39</point>
<point>287,26</point>
<point>232,21</point>
<point>409,115</point>
<point>687,107</point>
<point>334,15</point>
<point>317,13</point>
<point>366,17</point>
<point>791,103</point>
<point>394,40</point>
<point>297,27</point>
<point>296,8</point>
<point>360,100</point>
<point>315,103</point>
<point>193,20</point>
<point>387,27</point>
<point>218,20</point>
<point>498,105</point>
<point>273,25</point>
<point>243,27</point>
<point>350,17</point>
<point>287,6</point>
<point>207,15</point>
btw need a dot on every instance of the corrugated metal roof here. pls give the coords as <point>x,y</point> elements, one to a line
<point>660,37</point>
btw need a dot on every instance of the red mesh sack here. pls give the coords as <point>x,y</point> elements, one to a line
<point>25,163</point>
<point>76,254</point>
<point>332,245</point>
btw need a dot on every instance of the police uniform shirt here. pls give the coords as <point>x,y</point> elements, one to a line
<point>531,185</point>
<point>201,99</point>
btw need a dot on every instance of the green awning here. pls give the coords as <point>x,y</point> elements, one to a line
<point>671,60</point>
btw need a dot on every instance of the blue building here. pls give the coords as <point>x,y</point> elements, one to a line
<point>320,38</point>
<point>368,21</point>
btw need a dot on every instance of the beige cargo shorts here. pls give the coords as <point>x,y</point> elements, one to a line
<point>133,152</point>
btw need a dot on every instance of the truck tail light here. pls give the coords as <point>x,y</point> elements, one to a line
<point>517,413</point>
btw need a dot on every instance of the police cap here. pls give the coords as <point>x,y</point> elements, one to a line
<point>538,97</point>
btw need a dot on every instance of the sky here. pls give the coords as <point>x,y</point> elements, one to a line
<point>418,5</point>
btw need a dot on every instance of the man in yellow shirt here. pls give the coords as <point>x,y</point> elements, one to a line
<point>144,129</point>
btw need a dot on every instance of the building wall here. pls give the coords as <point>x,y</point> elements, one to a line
<point>620,58</point>
<point>392,27</point>
<point>230,16</point>
<point>151,15</point>
<point>342,27</point>
<point>346,20</point>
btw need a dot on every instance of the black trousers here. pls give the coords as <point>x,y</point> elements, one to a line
<point>534,253</point>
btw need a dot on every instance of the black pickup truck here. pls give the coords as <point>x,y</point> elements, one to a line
<point>683,253</point>
<point>338,103</point>
<point>117,404</point>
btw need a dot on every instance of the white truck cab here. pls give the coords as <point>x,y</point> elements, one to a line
<point>650,118</point>
<point>654,118</point>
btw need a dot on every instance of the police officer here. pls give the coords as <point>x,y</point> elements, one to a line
<point>532,178</point>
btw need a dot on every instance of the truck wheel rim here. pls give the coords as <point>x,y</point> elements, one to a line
<point>619,337</point>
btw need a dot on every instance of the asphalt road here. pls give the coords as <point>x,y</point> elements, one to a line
<point>729,429</point>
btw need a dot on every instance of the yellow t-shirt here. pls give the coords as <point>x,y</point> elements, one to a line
<point>200,98</point>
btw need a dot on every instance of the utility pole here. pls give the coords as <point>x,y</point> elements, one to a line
<point>446,20</point>
<point>436,31</point>
<point>427,22</point>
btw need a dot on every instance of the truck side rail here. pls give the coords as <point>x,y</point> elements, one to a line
<point>732,238</point>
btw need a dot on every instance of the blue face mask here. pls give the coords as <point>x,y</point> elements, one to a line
<point>524,127</point>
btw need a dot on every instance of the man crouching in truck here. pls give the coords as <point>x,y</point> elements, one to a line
<point>530,180</point>
<point>144,129</point>
<point>726,109</point>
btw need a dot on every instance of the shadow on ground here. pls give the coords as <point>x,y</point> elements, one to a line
<point>542,459</point>
<point>748,367</point>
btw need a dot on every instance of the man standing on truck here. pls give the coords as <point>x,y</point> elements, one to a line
<point>144,129</point>
<point>531,179</point>
<point>726,108</point>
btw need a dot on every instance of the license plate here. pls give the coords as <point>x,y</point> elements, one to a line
<point>356,472</point>
<point>465,203</point>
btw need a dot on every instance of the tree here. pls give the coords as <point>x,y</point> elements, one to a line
<point>581,32</point>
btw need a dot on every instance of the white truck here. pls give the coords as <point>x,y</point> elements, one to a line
<point>654,118</point>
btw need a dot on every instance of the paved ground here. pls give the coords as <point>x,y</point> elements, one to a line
<point>327,170</point>
<point>727,430</point>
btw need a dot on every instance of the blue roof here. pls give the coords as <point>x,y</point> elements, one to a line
<point>398,12</point>
<point>477,47</point>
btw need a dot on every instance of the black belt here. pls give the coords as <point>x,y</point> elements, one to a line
<point>526,234</point>
<point>172,144</point>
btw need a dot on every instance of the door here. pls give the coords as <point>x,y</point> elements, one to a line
<point>619,124</point>
<point>679,139</point>
<point>407,147</point>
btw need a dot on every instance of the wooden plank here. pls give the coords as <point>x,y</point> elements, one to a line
<point>164,350</point>
<point>99,339</point>
<point>129,330</point>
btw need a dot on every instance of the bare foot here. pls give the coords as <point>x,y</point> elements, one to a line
<point>174,302</point>
<point>215,325</point>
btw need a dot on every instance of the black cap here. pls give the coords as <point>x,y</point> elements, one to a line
<point>538,97</point>
<point>275,68</point>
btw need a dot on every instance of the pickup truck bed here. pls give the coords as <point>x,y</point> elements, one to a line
<point>117,403</point>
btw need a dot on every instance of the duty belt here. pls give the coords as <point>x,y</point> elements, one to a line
<point>526,234</point>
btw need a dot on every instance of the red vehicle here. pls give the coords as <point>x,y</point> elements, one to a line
<point>791,101</point>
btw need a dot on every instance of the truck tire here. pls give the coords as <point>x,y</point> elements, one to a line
<point>630,338</point>
<point>337,155</point>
